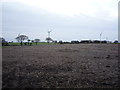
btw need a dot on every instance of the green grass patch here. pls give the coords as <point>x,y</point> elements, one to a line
<point>33,44</point>
<point>14,44</point>
<point>43,43</point>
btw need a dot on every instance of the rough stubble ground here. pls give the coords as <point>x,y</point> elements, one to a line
<point>61,66</point>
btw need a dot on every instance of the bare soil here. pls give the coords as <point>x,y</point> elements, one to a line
<point>61,66</point>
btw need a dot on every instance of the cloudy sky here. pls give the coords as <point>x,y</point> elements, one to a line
<point>68,19</point>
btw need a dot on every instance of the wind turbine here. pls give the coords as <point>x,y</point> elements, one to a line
<point>49,33</point>
<point>107,39</point>
<point>100,36</point>
<point>48,38</point>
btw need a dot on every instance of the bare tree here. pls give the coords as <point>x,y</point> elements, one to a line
<point>36,41</point>
<point>3,42</point>
<point>21,38</point>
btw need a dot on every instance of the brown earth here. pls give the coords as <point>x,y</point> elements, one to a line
<point>66,65</point>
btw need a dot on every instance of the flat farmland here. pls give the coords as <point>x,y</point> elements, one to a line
<point>60,66</point>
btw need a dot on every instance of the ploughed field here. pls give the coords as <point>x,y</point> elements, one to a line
<point>60,66</point>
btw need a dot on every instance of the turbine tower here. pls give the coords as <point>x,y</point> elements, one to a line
<point>48,38</point>
<point>107,39</point>
<point>49,33</point>
<point>100,36</point>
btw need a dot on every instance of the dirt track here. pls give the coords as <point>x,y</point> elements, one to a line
<point>69,65</point>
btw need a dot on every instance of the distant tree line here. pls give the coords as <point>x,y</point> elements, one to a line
<point>86,41</point>
<point>22,38</point>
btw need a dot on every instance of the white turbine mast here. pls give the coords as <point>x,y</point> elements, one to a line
<point>100,36</point>
<point>49,33</point>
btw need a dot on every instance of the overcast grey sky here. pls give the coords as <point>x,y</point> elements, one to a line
<point>68,19</point>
